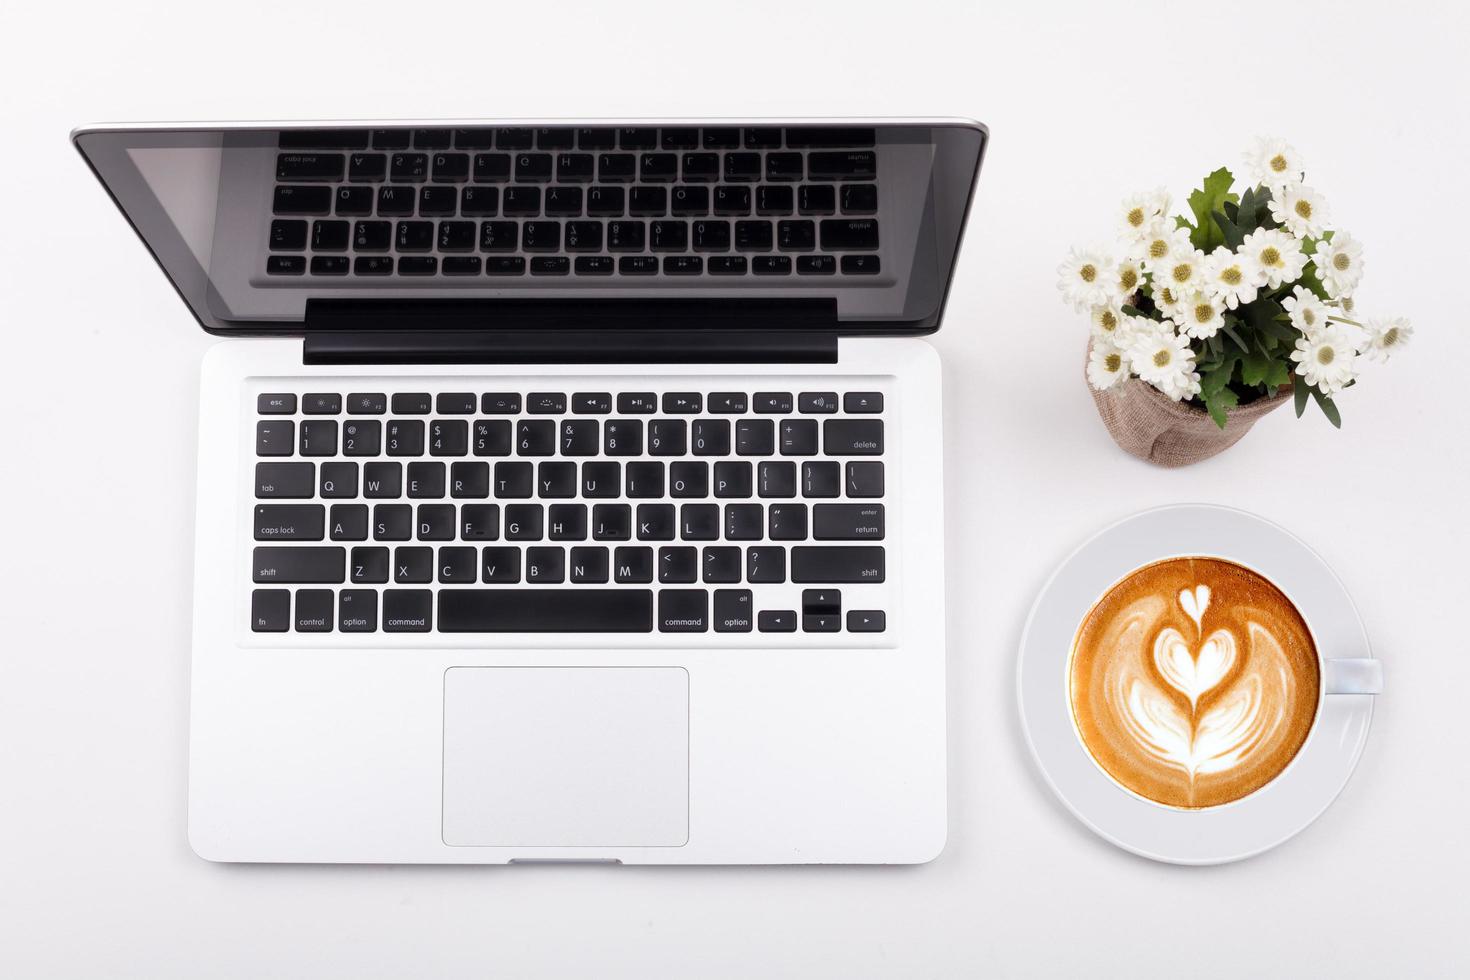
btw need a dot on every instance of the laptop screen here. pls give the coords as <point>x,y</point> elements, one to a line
<point>255,225</point>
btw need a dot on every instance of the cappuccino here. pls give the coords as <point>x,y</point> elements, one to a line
<point>1193,682</point>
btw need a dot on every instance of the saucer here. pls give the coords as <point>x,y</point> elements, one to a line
<point>1233,831</point>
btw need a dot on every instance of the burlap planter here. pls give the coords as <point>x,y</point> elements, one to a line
<point>1146,423</point>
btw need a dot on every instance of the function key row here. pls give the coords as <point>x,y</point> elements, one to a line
<point>561,265</point>
<point>586,138</point>
<point>581,403</point>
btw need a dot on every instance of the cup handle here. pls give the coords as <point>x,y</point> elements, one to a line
<point>1357,676</point>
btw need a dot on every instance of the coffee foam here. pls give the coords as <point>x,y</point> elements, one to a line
<point>1193,682</point>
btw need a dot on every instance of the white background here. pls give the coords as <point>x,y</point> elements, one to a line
<point>99,364</point>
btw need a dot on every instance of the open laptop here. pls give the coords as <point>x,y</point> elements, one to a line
<point>568,491</point>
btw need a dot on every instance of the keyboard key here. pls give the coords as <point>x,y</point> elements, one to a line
<point>275,437</point>
<point>648,201</point>
<point>330,139</point>
<point>709,437</point>
<point>816,564</point>
<point>469,479</point>
<point>668,437</point>
<point>505,265</point>
<point>275,404</point>
<point>310,166</point>
<point>319,438</point>
<point>699,522</point>
<point>658,166</point>
<point>418,265</point>
<point>683,402</point>
<point>689,478</point>
<point>411,167</point>
<point>817,199</point>
<point>591,403</point>
<point>285,265</point>
<point>574,166</point>
<point>449,437</point>
<point>288,480</point>
<point>524,522</point>
<point>645,480</point>
<point>762,137</point>
<point>414,236</point>
<point>727,402</point>
<point>288,236</point>
<point>605,201</point>
<point>622,437</point>
<point>535,437</point>
<point>773,200</point>
<point>408,610</point>
<point>821,610</point>
<point>860,265</point>
<point>290,522</point>
<point>796,236</point>
<point>859,199</point>
<point>321,403</point>
<point>500,403</point>
<point>732,200</point>
<point>632,565</point>
<point>771,265</point>
<point>683,265</point>
<point>727,265</point>
<point>302,200</point>
<point>516,138</point>
<point>866,621</point>
<point>366,167</point>
<point>498,566</point>
<point>755,437</point>
<point>784,166</point>
<point>579,437</point>
<point>686,201</point>
<point>405,436</point>
<point>474,139</point>
<point>733,479</point>
<point>432,139</point>
<point>776,478</point>
<point>461,265</point>
<point>821,478</point>
<point>589,565</point>
<point>616,166</point>
<point>583,236</point>
<point>330,265</point>
<point>821,136</point>
<point>270,610</point>
<point>556,479</point>
<point>533,166</point>
<point>314,610</point>
<point>425,480</point>
<point>602,479</point>
<point>655,522</point>
<point>864,479</point>
<point>593,265</point>
<point>299,565</point>
<point>851,165</point>
<point>799,437</point>
<point>522,200</point>
<point>753,236</point>
<point>597,139</point>
<point>451,167</point>
<point>786,522</point>
<point>852,437</point>
<point>766,564</point>
<point>566,522</point>
<point>745,522</point>
<point>742,166</point>
<point>540,236</point>
<point>637,403</point>
<point>720,565</point>
<point>847,522</point>
<point>627,236</point>
<point>438,200</point>
<point>349,522</point>
<point>491,167</point>
<point>382,481</point>
<point>683,611</point>
<point>817,402</point>
<point>816,265</point>
<point>773,402</point>
<point>862,402</point>
<point>702,167</point>
<point>849,234</point>
<point>413,565</point>
<point>396,200</point>
<point>546,566</point>
<point>777,621</point>
<point>638,265</point>
<point>555,138</point>
<point>391,139</point>
<point>733,608</point>
<point>678,565</point>
<point>545,611</point>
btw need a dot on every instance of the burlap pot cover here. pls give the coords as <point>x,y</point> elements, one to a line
<point>1146,423</point>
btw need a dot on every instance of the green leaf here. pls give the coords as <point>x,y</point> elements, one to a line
<point>1254,368</point>
<point>1218,376</point>
<point>1130,310</point>
<point>1329,408</point>
<point>1279,376</point>
<point>1204,202</point>
<point>1229,331</point>
<point>1299,392</point>
<point>1217,402</point>
<point>1229,230</point>
<point>1312,281</point>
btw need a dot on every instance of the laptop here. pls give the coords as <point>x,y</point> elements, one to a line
<point>567,491</point>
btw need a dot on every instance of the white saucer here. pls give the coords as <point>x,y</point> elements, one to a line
<point>1267,817</point>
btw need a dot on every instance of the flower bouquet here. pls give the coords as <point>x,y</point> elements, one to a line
<point>1248,298</point>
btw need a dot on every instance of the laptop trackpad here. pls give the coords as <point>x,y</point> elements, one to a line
<point>566,756</point>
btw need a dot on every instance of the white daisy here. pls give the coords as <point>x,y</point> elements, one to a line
<point>1345,303</point>
<point>1387,336</point>
<point>1087,278</point>
<point>1273,163</point>
<point>1339,264</point>
<point>1326,360</point>
<point>1234,277</point>
<point>1184,272</point>
<point>1164,360</point>
<point>1308,313</point>
<point>1127,278</point>
<point>1162,240</point>
<point>1107,365</point>
<point>1107,324</point>
<point>1200,315</point>
<point>1166,299</point>
<point>1140,211</point>
<point>1301,210</point>
<point>1279,256</point>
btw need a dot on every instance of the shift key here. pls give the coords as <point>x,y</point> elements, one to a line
<point>817,564</point>
<point>314,566</point>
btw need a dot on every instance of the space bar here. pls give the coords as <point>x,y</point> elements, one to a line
<point>545,610</point>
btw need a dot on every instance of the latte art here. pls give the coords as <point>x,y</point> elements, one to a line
<point>1193,682</point>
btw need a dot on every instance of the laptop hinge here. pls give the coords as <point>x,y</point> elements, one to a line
<point>600,331</point>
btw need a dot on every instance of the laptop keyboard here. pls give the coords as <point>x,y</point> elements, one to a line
<point>569,511</point>
<point>585,203</point>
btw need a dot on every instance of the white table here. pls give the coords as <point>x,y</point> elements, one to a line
<point>99,370</point>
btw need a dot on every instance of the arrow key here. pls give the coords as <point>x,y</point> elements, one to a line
<point>866,621</point>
